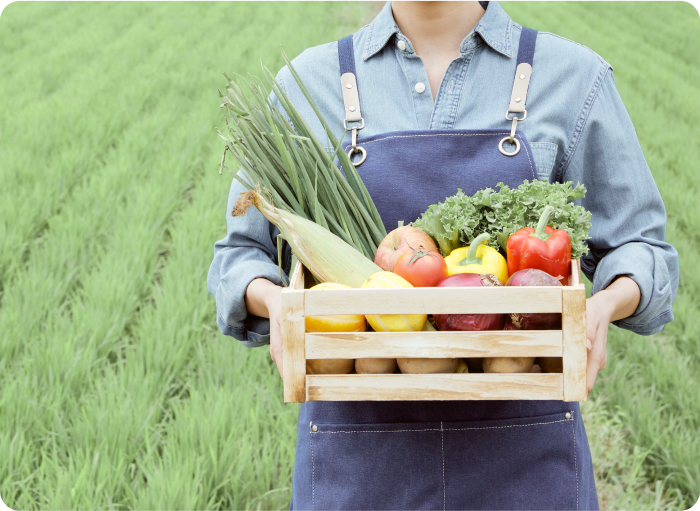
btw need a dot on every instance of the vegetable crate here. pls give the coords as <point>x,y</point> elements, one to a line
<point>568,343</point>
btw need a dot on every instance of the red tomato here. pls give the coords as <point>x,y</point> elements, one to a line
<point>422,268</point>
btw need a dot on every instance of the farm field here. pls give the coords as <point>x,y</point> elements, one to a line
<point>117,390</point>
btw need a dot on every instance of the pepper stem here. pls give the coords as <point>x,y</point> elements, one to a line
<point>473,247</point>
<point>544,218</point>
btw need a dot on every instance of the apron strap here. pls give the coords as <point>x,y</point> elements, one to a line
<point>351,96</point>
<point>523,71</point>
<point>348,79</point>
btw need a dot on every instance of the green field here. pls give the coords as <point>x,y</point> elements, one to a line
<point>117,390</point>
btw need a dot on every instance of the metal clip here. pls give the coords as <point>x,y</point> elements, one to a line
<point>512,138</point>
<point>512,129</point>
<point>355,148</point>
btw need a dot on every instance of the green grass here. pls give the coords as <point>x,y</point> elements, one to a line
<point>116,388</point>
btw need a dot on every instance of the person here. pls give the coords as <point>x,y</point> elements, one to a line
<point>424,89</point>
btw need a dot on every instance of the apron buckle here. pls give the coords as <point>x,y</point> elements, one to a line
<point>355,148</point>
<point>512,138</point>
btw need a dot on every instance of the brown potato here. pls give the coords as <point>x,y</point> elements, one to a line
<point>375,365</point>
<point>330,366</point>
<point>508,364</point>
<point>551,364</point>
<point>427,365</point>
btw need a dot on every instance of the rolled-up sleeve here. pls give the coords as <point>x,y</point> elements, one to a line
<point>248,252</point>
<point>628,214</point>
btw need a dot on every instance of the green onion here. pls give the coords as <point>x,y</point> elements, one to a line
<point>291,165</point>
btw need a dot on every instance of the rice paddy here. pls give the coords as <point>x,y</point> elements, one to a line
<point>117,390</point>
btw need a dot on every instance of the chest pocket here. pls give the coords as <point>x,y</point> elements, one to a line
<point>544,154</point>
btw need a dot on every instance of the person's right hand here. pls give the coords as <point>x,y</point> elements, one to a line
<point>264,299</point>
<point>274,308</point>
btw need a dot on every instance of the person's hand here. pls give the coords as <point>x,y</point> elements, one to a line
<point>618,301</point>
<point>597,321</point>
<point>274,308</point>
<point>264,299</point>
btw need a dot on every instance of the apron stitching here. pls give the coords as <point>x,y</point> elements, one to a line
<point>529,160</point>
<point>511,426</point>
<point>443,429</point>
<point>573,429</point>
<point>442,447</point>
<point>384,431</point>
<point>313,472</point>
<point>365,142</point>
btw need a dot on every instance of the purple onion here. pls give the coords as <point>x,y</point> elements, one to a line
<point>469,322</point>
<point>533,321</point>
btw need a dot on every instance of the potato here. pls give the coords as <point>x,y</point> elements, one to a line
<point>551,364</point>
<point>375,365</point>
<point>330,366</point>
<point>427,365</point>
<point>508,364</point>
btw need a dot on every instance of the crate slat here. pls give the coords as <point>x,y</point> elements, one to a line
<point>418,387</point>
<point>575,279</point>
<point>293,331</point>
<point>433,300</point>
<point>574,348</point>
<point>297,280</point>
<point>525,343</point>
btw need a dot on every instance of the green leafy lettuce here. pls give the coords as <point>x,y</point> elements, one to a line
<point>460,218</point>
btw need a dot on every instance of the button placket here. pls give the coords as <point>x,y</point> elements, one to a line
<point>415,74</point>
<point>443,116</point>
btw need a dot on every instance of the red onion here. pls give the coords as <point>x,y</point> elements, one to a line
<point>470,322</point>
<point>533,321</point>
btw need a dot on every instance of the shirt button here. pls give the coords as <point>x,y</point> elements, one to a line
<point>420,87</point>
<point>401,45</point>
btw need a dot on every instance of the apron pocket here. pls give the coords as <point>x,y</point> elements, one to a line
<point>523,464</point>
<point>544,154</point>
<point>377,466</point>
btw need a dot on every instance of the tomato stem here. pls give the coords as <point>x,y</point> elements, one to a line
<point>421,252</point>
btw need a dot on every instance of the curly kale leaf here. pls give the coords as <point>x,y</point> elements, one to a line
<point>460,218</point>
<point>451,223</point>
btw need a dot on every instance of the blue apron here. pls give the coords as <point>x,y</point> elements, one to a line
<point>441,454</point>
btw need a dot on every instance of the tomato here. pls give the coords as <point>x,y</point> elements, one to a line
<point>422,268</point>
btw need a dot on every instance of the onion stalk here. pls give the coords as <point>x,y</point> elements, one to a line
<point>289,162</point>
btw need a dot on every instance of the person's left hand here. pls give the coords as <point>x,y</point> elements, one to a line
<point>597,321</point>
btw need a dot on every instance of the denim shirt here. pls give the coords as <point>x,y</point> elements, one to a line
<point>578,129</point>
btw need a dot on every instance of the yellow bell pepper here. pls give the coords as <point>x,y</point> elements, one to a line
<point>478,258</point>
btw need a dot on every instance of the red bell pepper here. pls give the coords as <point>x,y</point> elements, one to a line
<point>543,248</point>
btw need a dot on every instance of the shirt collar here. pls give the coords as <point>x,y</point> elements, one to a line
<point>494,27</point>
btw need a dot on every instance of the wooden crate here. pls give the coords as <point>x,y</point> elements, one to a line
<point>568,343</point>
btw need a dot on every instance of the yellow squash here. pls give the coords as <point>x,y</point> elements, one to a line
<point>338,323</point>
<point>477,258</point>
<point>393,322</point>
